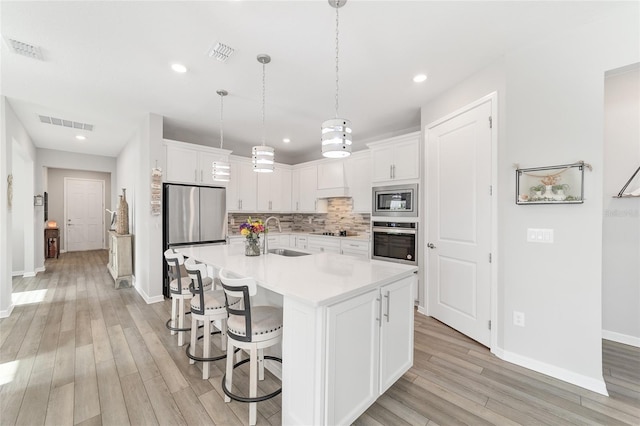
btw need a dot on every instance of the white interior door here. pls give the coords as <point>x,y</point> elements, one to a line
<point>459,222</point>
<point>84,214</point>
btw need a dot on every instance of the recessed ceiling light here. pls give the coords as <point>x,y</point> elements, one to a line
<point>81,137</point>
<point>286,140</point>
<point>420,78</point>
<point>179,68</point>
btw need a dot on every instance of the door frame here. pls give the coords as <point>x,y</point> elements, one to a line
<point>64,192</point>
<point>493,99</point>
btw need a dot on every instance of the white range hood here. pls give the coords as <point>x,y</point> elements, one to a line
<point>331,180</point>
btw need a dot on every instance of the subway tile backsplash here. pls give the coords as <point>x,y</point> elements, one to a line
<point>339,217</point>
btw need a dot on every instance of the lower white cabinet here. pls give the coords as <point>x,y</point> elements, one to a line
<point>298,241</point>
<point>357,248</point>
<point>278,240</point>
<point>369,347</point>
<point>119,265</point>
<point>323,244</point>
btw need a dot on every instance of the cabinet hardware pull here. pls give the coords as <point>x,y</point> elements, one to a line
<point>390,171</point>
<point>379,318</point>
<point>431,246</point>
<point>388,298</point>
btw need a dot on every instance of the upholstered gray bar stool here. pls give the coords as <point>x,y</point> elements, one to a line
<point>206,306</point>
<point>252,328</point>
<point>179,291</point>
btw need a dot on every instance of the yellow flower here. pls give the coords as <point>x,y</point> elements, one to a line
<point>244,232</point>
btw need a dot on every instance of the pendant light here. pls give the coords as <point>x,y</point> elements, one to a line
<point>263,156</point>
<point>220,169</point>
<point>336,132</point>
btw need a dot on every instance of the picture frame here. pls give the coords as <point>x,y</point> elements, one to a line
<point>561,184</point>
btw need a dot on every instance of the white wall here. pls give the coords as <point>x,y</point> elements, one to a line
<point>551,112</point>
<point>621,222</point>
<point>17,212</point>
<point>135,162</point>
<point>13,136</point>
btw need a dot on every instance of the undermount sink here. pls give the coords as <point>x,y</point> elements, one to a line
<point>287,252</point>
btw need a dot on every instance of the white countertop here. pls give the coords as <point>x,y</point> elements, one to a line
<point>361,237</point>
<point>317,279</point>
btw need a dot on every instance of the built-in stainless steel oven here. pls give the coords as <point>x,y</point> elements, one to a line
<point>395,241</point>
<point>395,201</point>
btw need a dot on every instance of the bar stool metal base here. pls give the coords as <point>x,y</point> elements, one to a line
<point>177,328</point>
<point>244,398</point>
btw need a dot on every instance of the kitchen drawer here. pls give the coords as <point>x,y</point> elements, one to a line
<point>322,244</point>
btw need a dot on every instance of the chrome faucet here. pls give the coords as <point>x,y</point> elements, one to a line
<point>266,238</point>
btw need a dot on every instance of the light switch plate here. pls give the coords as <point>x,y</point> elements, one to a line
<point>539,235</point>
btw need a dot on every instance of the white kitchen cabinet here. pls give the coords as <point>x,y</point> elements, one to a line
<point>190,163</point>
<point>323,244</point>
<point>278,240</point>
<point>274,191</point>
<point>358,179</point>
<point>242,187</point>
<point>304,189</point>
<point>357,248</point>
<point>369,346</point>
<point>298,241</point>
<point>396,159</point>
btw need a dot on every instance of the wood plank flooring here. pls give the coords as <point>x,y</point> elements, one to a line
<point>78,352</point>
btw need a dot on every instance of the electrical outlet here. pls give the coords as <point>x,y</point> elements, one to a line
<point>232,221</point>
<point>310,220</point>
<point>518,318</point>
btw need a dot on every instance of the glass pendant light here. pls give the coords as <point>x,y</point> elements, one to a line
<point>263,156</point>
<point>336,132</point>
<point>220,169</point>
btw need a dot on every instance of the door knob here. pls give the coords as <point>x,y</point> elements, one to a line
<point>431,246</point>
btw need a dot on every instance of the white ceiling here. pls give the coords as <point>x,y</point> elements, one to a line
<point>108,64</point>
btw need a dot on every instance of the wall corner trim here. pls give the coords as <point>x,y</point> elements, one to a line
<point>590,383</point>
<point>146,297</point>
<point>7,312</point>
<point>621,338</point>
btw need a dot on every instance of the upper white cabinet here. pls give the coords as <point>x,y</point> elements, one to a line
<point>242,187</point>
<point>274,190</point>
<point>396,159</point>
<point>358,178</point>
<point>191,163</point>
<point>304,189</point>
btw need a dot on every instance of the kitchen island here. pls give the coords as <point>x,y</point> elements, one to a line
<point>348,327</point>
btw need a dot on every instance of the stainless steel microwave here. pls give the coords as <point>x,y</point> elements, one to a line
<point>395,201</point>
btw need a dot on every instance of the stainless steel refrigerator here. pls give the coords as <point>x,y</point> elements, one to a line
<point>193,215</point>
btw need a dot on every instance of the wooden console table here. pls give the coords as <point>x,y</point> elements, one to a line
<point>51,242</point>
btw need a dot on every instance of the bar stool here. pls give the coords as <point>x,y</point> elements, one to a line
<point>206,306</point>
<point>252,329</point>
<point>179,291</point>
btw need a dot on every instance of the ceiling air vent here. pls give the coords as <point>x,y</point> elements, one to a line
<point>221,52</point>
<point>25,49</point>
<point>65,123</point>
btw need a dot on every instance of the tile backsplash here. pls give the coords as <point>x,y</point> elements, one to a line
<point>339,217</point>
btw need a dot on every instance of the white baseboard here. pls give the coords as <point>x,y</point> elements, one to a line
<point>29,274</point>
<point>145,296</point>
<point>7,312</point>
<point>40,269</point>
<point>17,273</point>
<point>422,310</point>
<point>621,338</point>
<point>595,385</point>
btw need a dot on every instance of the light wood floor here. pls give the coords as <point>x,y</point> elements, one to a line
<point>88,354</point>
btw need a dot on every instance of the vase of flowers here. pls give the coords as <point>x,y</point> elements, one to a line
<point>251,229</point>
